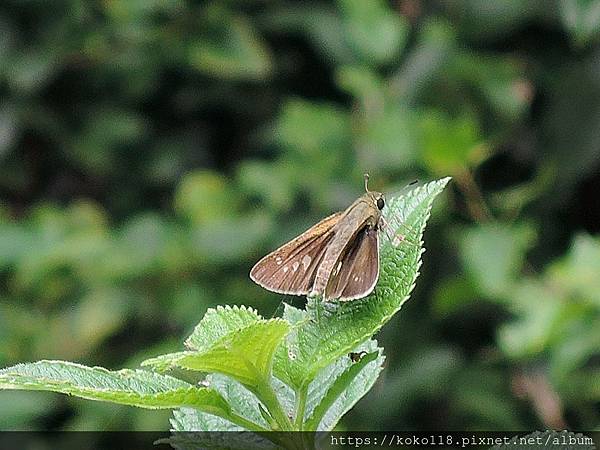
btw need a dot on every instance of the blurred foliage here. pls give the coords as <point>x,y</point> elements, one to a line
<point>151,151</point>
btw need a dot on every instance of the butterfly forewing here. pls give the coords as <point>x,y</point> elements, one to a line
<point>291,268</point>
<point>356,271</point>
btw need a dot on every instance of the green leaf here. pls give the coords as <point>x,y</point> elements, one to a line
<point>204,197</point>
<point>576,347</point>
<point>267,182</point>
<point>453,295</point>
<point>495,276</point>
<point>219,322</point>
<point>362,83</point>
<point>385,130</point>
<point>449,144</point>
<point>30,71</point>
<point>231,50</point>
<point>237,343</point>
<point>127,387</point>
<point>309,127</point>
<point>134,10</point>
<point>538,310</point>
<point>334,329</point>
<point>581,18</point>
<point>320,24</point>
<point>338,387</point>
<point>435,45</point>
<point>190,419</point>
<point>240,400</point>
<point>426,374</point>
<point>107,131</point>
<point>500,82</point>
<point>390,140</point>
<point>362,18</point>
<point>14,242</point>
<point>244,354</point>
<point>578,271</point>
<point>557,312</point>
<point>485,21</point>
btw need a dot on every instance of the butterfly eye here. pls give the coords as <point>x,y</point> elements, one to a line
<point>380,203</point>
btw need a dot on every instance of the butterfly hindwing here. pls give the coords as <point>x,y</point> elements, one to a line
<point>357,269</point>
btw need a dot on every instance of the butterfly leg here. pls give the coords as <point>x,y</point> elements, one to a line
<point>396,238</point>
<point>383,225</point>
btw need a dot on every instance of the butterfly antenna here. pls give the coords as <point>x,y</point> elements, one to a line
<point>366,182</point>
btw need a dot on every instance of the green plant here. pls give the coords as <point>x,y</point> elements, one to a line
<point>282,374</point>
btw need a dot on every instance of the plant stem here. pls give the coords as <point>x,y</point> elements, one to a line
<point>265,393</point>
<point>473,197</point>
<point>300,407</point>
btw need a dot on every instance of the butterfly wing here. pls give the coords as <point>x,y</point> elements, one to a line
<point>291,269</point>
<point>357,269</point>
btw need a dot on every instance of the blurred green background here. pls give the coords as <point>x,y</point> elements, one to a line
<point>152,150</point>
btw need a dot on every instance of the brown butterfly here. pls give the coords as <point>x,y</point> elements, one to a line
<point>338,258</point>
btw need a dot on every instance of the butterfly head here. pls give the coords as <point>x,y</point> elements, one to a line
<point>377,198</point>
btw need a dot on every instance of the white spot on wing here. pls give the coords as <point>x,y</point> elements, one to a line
<point>295,266</point>
<point>285,269</point>
<point>356,278</point>
<point>278,260</point>
<point>306,261</point>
